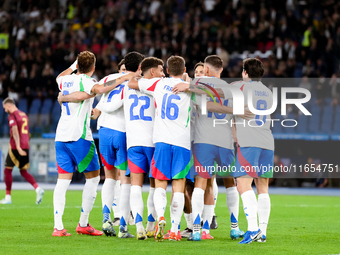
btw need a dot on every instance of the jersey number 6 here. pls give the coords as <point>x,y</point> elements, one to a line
<point>167,105</point>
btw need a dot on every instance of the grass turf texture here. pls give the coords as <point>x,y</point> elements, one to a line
<point>297,225</point>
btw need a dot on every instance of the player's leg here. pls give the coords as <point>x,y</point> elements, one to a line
<point>115,204</point>
<point>262,183</point>
<point>9,164</point>
<point>8,182</point>
<point>59,199</point>
<point>138,166</point>
<point>246,163</point>
<point>23,166</point>
<point>124,204</point>
<point>177,205</point>
<point>108,158</point>
<point>189,188</point>
<point>86,158</point>
<point>263,206</point>
<point>233,204</point>
<point>66,167</point>
<point>161,172</point>
<point>88,199</point>
<point>29,178</point>
<point>160,201</point>
<point>208,208</point>
<point>214,224</point>
<point>197,203</point>
<point>180,167</point>
<point>107,194</point>
<point>204,155</point>
<point>150,227</point>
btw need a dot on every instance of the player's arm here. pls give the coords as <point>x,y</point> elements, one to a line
<point>133,84</point>
<point>197,89</point>
<point>110,85</point>
<point>218,108</point>
<point>95,113</point>
<point>74,97</point>
<point>16,138</point>
<point>146,86</point>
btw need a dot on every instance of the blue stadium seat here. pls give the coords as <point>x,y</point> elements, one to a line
<point>22,105</point>
<point>336,126</point>
<point>328,101</point>
<point>56,111</point>
<point>35,107</point>
<point>302,124</point>
<point>44,120</point>
<point>47,106</point>
<point>277,128</point>
<point>290,129</point>
<point>33,115</point>
<point>326,120</point>
<point>314,122</point>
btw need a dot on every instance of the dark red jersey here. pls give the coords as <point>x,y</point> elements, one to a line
<point>19,119</point>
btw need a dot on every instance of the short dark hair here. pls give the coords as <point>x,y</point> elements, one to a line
<point>176,65</point>
<point>8,100</point>
<point>254,68</point>
<point>122,62</point>
<point>150,62</point>
<point>215,61</point>
<point>132,61</point>
<point>86,61</point>
<point>198,64</point>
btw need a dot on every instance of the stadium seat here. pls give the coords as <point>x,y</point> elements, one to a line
<point>290,129</point>
<point>328,101</point>
<point>336,126</point>
<point>277,128</point>
<point>45,114</point>
<point>56,111</point>
<point>327,119</point>
<point>33,115</point>
<point>22,105</point>
<point>302,124</point>
<point>314,122</point>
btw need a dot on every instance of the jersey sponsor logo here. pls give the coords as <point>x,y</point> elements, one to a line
<point>11,121</point>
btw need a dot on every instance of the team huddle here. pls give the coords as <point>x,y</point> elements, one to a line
<point>157,126</point>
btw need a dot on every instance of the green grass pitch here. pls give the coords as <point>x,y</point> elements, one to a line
<point>297,225</point>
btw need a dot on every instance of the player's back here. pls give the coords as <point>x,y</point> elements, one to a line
<point>139,111</point>
<point>19,119</point>
<point>172,120</point>
<point>74,122</point>
<point>111,105</point>
<point>256,132</point>
<point>205,129</point>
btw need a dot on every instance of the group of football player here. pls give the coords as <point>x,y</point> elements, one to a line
<point>167,129</point>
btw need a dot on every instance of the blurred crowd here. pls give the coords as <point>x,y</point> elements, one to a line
<point>300,38</point>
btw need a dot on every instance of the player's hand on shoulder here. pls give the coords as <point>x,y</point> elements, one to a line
<point>247,114</point>
<point>136,75</point>
<point>186,77</point>
<point>181,87</point>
